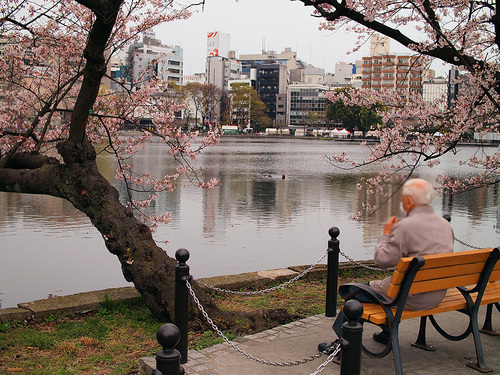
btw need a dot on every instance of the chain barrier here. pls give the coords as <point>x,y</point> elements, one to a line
<point>255,292</point>
<point>393,268</point>
<point>335,349</point>
<point>467,245</point>
<point>302,274</point>
<point>364,265</point>
<point>250,356</point>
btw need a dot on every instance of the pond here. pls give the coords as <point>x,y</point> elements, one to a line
<point>277,200</point>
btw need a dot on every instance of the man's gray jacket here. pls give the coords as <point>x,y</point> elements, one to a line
<point>422,232</point>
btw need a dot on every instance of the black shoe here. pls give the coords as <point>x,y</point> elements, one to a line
<point>324,346</point>
<point>382,337</point>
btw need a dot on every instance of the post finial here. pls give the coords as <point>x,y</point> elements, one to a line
<point>182,255</point>
<point>334,232</point>
<point>168,336</point>
<point>353,310</point>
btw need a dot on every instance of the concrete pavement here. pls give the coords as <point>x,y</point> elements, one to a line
<point>299,340</point>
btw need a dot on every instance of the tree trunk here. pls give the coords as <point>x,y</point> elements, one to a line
<point>78,180</point>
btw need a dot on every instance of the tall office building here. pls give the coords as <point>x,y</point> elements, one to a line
<point>306,104</point>
<point>219,71</point>
<point>402,73</point>
<point>436,89</point>
<point>150,59</point>
<point>287,58</point>
<point>271,82</point>
<point>221,65</point>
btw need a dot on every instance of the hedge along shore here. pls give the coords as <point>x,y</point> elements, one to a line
<point>84,302</point>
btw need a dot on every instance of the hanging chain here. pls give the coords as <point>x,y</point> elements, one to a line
<point>281,286</point>
<point>393,268</point>
<point>336,347</point>
<point>364,265</point>
<point>236,347</point>
<point>467,245</point>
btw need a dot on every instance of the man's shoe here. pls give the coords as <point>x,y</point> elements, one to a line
<point>382,337</point>
<point>324,346</point>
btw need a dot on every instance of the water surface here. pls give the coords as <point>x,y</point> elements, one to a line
<point>277,201</point>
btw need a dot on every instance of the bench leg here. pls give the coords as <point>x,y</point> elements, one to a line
<point>395,350</point>
<point>480,365</point>
<point>487,326</point>
<point>421,340</point>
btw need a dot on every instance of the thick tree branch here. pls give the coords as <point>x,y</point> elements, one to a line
<point>446,53</point>
<point>95,67</point>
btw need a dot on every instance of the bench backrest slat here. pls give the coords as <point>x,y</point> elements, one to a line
<point>442,271</point>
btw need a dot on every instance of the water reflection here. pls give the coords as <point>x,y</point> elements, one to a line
<point>256,220</point>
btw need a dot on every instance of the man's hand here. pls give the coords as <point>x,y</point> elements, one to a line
<point>389,224</point>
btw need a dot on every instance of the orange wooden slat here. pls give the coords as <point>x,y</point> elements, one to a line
<point>448,259</point>
<point>377,315</point>
<point>495,275</point>
<point>449,282</point>
<point>441,272</point>
<point>461,257</point>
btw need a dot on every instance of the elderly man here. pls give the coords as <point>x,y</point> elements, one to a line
<point>420,232</point>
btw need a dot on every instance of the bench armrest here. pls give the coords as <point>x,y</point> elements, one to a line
<point>366,291</point>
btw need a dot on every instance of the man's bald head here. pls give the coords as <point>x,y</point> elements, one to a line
<point>421,192</point>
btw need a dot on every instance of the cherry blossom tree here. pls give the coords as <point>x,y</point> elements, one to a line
<point>461,34</point>
<point>55,111</point>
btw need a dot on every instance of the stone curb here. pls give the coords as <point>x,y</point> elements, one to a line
<point>67,305</point>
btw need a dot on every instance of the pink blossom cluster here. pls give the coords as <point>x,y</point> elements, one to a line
<point>41,67</point>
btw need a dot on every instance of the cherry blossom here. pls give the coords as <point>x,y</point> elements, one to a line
<point>461,34</point>
<point>41,70</point>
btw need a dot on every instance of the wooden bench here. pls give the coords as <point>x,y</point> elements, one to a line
<point>472,279</point>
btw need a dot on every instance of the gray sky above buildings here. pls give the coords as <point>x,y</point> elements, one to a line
<point>254,25</point>
<point>257,24</point>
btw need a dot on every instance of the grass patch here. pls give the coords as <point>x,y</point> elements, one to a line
<point>107,342</point>
<point>111,340</point>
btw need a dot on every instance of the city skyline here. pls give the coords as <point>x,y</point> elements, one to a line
<point>254,26</point>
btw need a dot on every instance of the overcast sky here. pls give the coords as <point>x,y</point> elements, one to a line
<point>257,24</point>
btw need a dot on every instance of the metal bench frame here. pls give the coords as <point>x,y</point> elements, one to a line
<point>472,296</point>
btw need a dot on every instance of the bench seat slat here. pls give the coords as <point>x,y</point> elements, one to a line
<point>451,302</point>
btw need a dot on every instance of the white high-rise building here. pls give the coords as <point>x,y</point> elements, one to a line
<point>221,66</point>
<point>435,89</point>
<point>220,70</point>
<point>218,44</point>
<point>343,73</point>
<point>150,59</point>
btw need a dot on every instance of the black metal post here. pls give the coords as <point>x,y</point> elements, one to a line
<point>352,332</point>
<point>332,272</point>
<point>182,301</point>
<point>168,359</point>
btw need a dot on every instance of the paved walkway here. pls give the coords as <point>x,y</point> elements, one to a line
<point>299,340</point>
